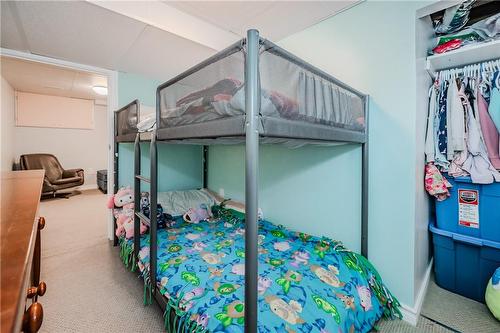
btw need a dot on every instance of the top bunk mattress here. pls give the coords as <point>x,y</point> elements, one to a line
<point>291,91</point>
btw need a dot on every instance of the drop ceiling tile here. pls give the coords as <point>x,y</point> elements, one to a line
<point>274,19</point>
<point>11,37</point>
<point>229,15</point>
<point>78,31</point>
<point>161,55</point>
<point>285,18</point>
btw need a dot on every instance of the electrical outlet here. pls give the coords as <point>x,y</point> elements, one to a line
<point>221,192</point>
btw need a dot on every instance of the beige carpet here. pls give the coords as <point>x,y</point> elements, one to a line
<point>423,326</point>
<point>88,288</point>
<point>457,312</point>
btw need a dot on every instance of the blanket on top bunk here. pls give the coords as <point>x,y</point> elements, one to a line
<point>316,101</point>
<point>306,284</point>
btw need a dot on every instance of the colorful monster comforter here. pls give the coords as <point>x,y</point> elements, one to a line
<point>306,284</point>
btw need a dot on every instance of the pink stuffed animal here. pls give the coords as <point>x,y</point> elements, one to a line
<point>122,204</point>
<point>124,196</point>
<point>128,228</point>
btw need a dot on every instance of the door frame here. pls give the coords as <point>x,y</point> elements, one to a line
<point>112,104</point>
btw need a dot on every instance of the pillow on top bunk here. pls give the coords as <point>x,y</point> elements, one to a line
<point>147,124</point>
<point>177,203</point>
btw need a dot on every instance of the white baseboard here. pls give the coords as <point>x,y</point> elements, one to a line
<point>411,314</point>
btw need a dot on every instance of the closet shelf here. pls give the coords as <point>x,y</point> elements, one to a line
<point>464,56</point>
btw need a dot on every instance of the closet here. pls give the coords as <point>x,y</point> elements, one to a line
<point>458,125</point>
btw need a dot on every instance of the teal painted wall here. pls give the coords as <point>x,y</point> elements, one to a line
<point>372,47</point>
<point>179,166</point>
<point>133,86</point>
<point>311,189</point>
<point>125,164</point>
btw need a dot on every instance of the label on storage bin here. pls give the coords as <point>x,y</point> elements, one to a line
<point>468,208</point>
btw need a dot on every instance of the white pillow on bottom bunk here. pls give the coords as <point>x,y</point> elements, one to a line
<point>177,203</point>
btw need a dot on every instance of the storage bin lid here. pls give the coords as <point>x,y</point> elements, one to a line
<point>462,238</point>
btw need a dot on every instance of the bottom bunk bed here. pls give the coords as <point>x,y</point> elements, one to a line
<point>306,283</point>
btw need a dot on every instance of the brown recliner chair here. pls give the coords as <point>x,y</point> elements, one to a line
<point>56,178</point>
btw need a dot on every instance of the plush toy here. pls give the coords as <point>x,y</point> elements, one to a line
<point>124,196</point>
<point>195,215</point>
<point>122,204</point>
<point>128,228</point>
<point>163,219</point>
<point>145,203</point>
<point>492,295</point>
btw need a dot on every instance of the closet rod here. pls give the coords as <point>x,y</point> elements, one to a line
<point>484,66</point>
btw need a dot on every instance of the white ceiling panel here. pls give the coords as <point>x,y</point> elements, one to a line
<point>77,31</point>
<point>12,36</point>
<point>285,18</point>
<point>274,19</point>
<point>86,33</point>
<point>34,77</point>
<point>229,15</point>
<point>162,55</point>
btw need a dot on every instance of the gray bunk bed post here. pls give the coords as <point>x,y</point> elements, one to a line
<point>153,211</point>
<point>205,166</point>
<point>137,195</point>
<point>364,185</point>
<point>252,107</point>
<point>115,171</point>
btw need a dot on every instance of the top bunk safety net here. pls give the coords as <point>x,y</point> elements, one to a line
<point>297,101</point>
<point>126,120</point>
<point>131,119</point>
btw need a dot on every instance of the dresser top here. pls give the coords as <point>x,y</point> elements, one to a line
<point>20,195</point>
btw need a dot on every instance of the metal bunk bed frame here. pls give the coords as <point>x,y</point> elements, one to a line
<point>117,139</point>
<point>252,135</point>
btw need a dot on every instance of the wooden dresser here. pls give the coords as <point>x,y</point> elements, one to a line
<point>20,254</point>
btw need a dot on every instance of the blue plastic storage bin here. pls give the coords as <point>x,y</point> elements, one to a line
<point>464,264</point>
<point>471,209</point>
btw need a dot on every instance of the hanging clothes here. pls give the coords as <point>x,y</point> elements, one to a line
<point>494,107</point>
<point>463,123</point>
<point>456,165</point>
<point>458,103</point>
<point>455,119</point>
<point>489,131</point>
<point>477,163</point>
<point>431,135</point>
<point>442,132</point>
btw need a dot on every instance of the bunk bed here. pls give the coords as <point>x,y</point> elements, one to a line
<point>255,92</point>
<point>126,130</point>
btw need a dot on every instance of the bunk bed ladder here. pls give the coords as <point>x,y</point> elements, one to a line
<point>138,215</point>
